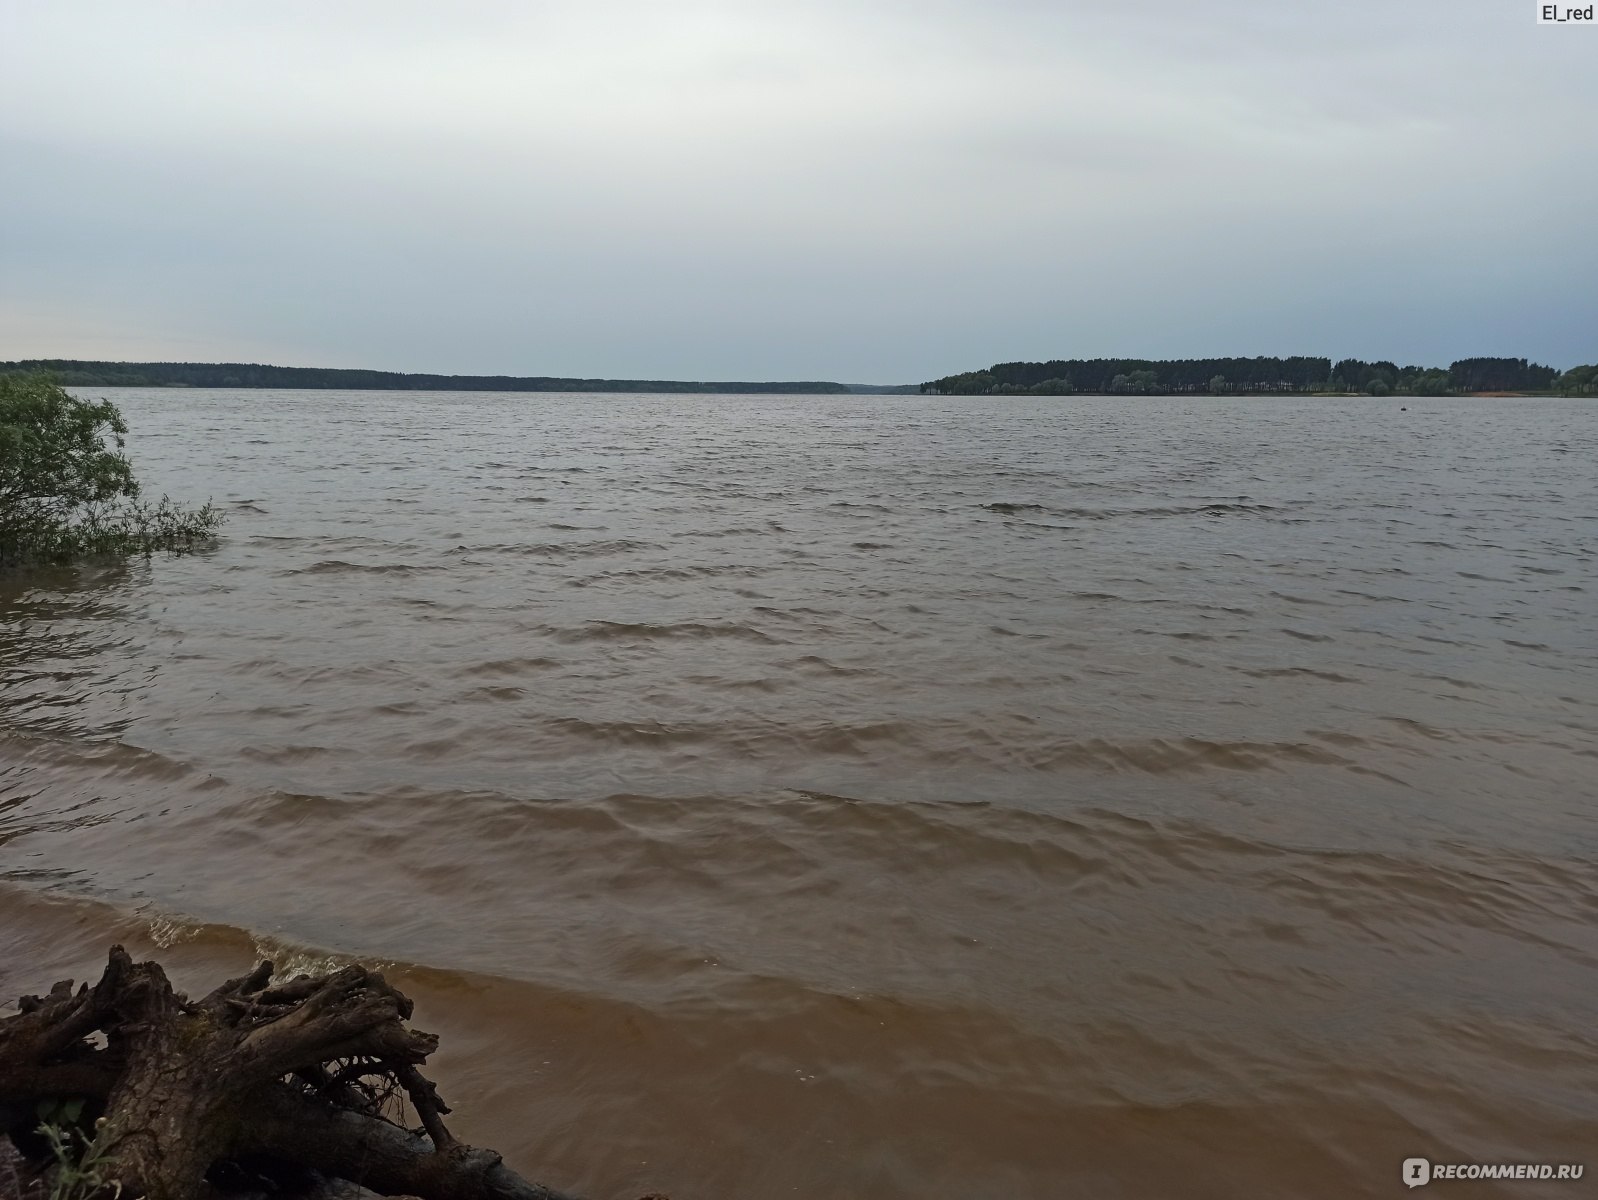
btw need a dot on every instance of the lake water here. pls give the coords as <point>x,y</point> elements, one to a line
<point>863,796</point>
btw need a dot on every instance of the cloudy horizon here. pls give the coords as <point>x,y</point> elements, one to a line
<point>874,192</point>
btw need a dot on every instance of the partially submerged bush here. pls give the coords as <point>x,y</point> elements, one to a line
<point>66,494</point>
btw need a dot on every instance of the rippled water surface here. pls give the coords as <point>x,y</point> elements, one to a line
<point>879,797</point>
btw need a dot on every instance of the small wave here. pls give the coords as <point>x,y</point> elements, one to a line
<point>287,755</point>
<point>289,960</point>
<point>606,631</point>
<point>113,757</point>
<point>814,662</point>
<point>338,566</point>
<point>1162,756</point>
<point>1305,600</point>
<point>666,574</point>
<point>500,667</point>
<point>167,932</point>
<point>1168,510</point>
<point>734,531</point>
<point>1298,673</point>
<point>495,694</point>
<point>1010,509</point>
<point>635,733</point>
<point>561,549</point>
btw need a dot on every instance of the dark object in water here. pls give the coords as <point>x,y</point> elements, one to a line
<point>294,1080</point>
<point>1011,509</point>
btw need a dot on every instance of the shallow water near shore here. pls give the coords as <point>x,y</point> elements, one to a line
<point>863,796</point>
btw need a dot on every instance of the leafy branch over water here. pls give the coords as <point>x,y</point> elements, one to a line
<point>67,490</point>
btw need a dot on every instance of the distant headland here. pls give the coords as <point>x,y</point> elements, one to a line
<point>74,372</point>
<point>1260,376</point>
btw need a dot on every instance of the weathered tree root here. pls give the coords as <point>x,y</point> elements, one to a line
<point>302,1075</point>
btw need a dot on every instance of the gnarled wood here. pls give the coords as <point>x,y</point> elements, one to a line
<point>297,1072</point>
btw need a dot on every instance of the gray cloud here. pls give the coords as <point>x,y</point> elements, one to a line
<point>874,191</point>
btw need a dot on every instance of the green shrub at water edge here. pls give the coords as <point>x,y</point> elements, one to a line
<point>65,493</point>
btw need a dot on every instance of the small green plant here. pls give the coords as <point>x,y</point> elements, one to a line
<point>82,1170</point>
<point>67,490</point>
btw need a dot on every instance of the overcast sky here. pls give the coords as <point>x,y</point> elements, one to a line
<point>869,191</point>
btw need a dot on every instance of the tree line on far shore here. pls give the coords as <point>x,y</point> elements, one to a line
<point>86,373</point>
<point>1244,376</point>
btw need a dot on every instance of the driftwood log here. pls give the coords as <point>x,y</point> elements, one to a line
<point>296,1082</point>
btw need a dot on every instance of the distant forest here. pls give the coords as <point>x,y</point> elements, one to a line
<point>81,373</point>
<point>1059,377</point>
<point>1242,376</point>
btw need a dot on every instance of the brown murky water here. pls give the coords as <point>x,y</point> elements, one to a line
<point>864,797</point>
